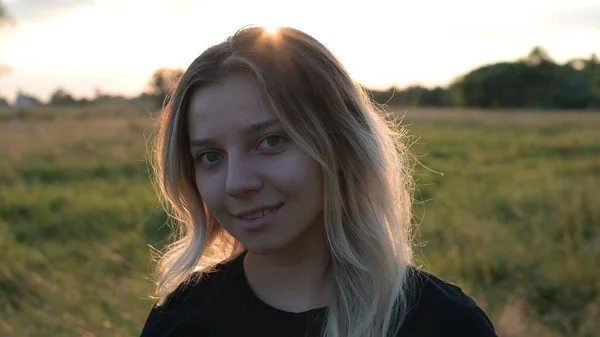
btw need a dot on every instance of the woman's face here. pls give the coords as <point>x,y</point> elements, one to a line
<point>257,183</point>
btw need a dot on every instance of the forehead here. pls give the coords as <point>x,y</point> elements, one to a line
<point>229,105</point>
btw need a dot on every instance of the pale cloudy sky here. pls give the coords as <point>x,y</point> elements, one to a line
<point>115,45</point>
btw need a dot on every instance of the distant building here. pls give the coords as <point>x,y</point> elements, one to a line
<point>24,101</point>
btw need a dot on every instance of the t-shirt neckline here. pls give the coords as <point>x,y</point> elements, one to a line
<point>238,266</point>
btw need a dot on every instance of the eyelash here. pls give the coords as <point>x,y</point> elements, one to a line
<point>282,138</point>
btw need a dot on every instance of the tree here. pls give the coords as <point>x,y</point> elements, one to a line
<point>61,97</point>
<point>569,88</point>
<point>3,14</point>
<point>591,69</point>
<point>4,20</point>
<point>438,96</point>
<point>537,56</point>
<point>163,83</point>
<point>494,85</point>
<point>412,96</point>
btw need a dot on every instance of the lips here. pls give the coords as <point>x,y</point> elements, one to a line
<point>256,213</point>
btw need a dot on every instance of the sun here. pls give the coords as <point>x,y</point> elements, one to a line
<point>272,29</point>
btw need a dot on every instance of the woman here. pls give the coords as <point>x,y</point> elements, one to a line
<point>293,199</point>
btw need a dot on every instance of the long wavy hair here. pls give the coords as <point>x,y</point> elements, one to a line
<point>365,165</point>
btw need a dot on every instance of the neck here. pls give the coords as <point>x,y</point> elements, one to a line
<point>294,279</point>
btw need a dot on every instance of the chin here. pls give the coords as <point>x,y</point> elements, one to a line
<point>263,248</point>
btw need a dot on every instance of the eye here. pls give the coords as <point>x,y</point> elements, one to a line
<point>208,157</point>
<point>270,142</point>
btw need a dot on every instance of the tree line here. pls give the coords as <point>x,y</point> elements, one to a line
<point>533,82</point>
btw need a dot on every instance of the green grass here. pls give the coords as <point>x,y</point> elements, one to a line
<point>514,219</point>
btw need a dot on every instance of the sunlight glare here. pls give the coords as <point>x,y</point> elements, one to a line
<point>272,29</point>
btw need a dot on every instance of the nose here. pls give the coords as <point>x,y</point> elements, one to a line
<point>242,177</point>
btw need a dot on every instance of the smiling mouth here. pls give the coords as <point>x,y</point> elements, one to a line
<point>259,213</point>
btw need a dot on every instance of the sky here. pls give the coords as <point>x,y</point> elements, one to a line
<point>115,45</point>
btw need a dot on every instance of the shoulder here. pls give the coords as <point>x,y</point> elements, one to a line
<point>435,300</point>
<point>197,286</point>
<point>192,298</point>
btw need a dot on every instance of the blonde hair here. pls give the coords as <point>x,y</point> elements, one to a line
<point>364,160</point>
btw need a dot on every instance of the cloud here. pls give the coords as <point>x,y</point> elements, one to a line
<point>39,10</point>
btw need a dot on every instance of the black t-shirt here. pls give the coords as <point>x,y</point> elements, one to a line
<point>222,304</point>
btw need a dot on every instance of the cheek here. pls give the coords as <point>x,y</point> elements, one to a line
<point>301,176</point>
<point>208,188</point>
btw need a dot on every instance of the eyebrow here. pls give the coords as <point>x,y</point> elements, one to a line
<point>250,129</point>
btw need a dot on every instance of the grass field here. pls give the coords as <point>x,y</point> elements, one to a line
<point>514,218</point>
